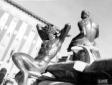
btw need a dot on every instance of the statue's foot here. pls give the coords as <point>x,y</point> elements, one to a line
<point>35,74</point>
<point>48,74</point>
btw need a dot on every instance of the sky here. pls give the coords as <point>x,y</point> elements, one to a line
<point>60,12</point>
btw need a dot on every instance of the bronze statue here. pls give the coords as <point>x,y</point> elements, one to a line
<point>89,31</point>
<point>49,48</point>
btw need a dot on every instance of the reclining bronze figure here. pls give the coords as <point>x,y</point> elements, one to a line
<point>49,48</point>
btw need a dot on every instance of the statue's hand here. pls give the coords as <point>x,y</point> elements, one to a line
<point>37,26</point>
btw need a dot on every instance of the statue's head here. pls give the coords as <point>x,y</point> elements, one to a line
<point>85,14</point>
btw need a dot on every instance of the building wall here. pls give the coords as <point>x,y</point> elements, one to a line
<point>18,33</point>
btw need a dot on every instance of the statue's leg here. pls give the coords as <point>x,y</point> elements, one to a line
<point>22,61</point>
